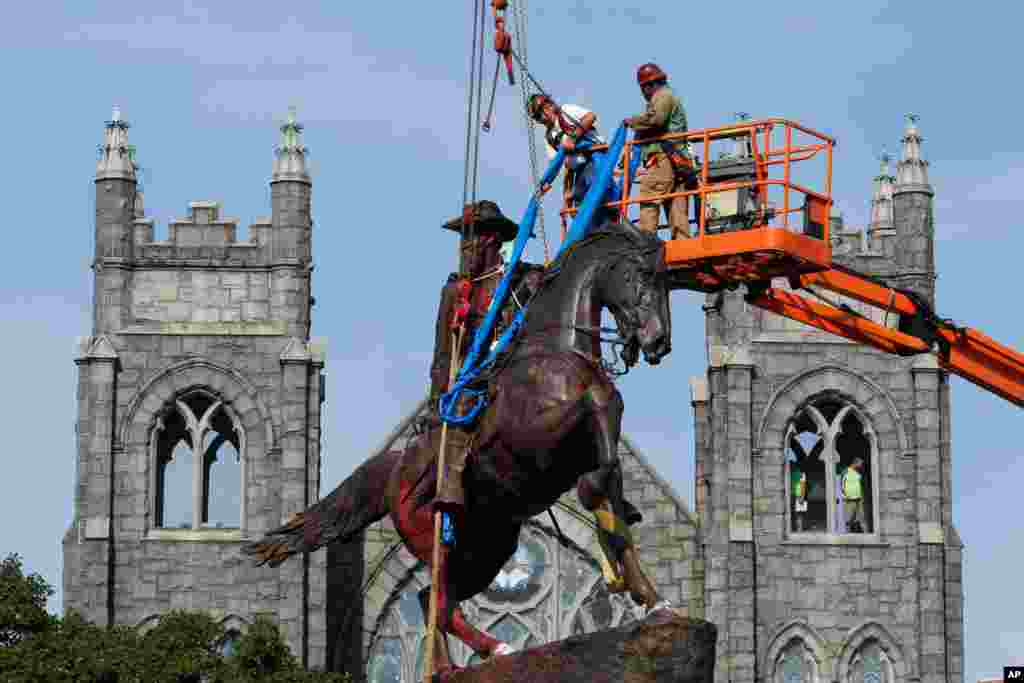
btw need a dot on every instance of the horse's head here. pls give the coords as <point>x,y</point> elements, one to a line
<point>635,290</point>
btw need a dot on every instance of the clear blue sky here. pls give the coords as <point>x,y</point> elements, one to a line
<point>380,87</point>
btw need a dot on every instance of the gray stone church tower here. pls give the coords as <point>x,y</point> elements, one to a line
<point>795,594</point>
<point>199,398</point>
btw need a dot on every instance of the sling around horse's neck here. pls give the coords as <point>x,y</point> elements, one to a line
<point>567,311</point>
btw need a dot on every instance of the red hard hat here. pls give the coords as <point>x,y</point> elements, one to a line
<point>650,72</point>
<point>535,106</point>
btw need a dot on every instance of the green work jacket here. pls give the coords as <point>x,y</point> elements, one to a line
<point>852,488</point>
<point>799,484</point>
<point>665,114</point>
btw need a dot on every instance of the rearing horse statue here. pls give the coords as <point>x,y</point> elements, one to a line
<point>552,422</point>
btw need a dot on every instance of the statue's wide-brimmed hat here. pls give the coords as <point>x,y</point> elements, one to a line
<point>488,220</point>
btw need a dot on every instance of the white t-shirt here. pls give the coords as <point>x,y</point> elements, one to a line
<point>576,112</point>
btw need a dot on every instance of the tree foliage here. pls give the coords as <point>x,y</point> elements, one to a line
<point>72,649</point>
<point>260,652</point>
<point>183,647</point>
<point>22,602</point>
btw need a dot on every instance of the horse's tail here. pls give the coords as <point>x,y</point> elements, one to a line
<point>355,504</point>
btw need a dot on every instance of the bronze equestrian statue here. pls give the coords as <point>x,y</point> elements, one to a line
<point>552,423</point>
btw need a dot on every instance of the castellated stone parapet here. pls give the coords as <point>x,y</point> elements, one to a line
<point>206,236</point>
<point>204,280</point>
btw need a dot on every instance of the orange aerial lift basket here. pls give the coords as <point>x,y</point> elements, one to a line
<point>758,204</point>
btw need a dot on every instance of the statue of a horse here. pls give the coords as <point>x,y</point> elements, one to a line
<point>552,422</point>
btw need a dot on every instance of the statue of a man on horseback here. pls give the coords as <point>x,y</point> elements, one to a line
<point>552,422</point>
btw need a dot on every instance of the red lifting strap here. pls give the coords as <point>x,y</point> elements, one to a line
<point>502,40</point>
<point>462,305</point>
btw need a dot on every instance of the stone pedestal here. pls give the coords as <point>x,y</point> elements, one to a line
<point>665,646</point>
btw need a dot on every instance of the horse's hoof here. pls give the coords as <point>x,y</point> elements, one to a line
<point>664,604</point>
<point>445,673</point>
<point>616,585</point>
<point>633,515</point>
<point>503,649</point>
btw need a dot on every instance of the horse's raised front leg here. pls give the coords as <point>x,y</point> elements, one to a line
<point>600,491</point>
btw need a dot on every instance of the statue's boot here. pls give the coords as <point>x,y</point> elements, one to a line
<point>452,497</point>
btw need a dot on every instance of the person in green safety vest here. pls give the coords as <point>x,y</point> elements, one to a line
<point>853,496</point>
<point>798,479</point>
<point>666,163</point>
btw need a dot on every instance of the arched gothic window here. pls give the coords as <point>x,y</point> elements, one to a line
<point>198,446</point>
<point>544,592</point>
<point>795,664</point>
<point>870,665</point>
<point>831,461</point>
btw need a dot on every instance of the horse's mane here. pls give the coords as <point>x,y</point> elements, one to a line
<point>634,234</point>
<point>639,239</point>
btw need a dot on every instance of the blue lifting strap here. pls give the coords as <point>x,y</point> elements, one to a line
<point>596,195</point>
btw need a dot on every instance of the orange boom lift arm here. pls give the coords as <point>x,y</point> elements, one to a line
<point>963,351</point>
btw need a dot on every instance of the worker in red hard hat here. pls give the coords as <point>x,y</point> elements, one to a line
<point>666,162</point>
<point>564,126</point>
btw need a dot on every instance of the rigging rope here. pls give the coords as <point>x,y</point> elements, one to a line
<point>521,61</point>
<point>443,522</point>
<point>519,14</point>
<point>473,111</point>
<point>479,97</point>
<point>469,114</point>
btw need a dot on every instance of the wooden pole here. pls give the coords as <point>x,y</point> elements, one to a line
<point>435,565</point>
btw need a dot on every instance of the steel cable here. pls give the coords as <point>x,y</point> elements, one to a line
<point>519,13</point>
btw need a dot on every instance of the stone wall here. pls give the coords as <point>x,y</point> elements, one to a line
<point>149,570</point>
<point>172,296</point>
<point>668,536</point>
<point>847,581</point>
<point>204,234</point>
<point>201,280</point>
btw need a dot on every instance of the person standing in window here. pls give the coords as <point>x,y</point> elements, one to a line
<point>853,496</point>
<point>799,482</point>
